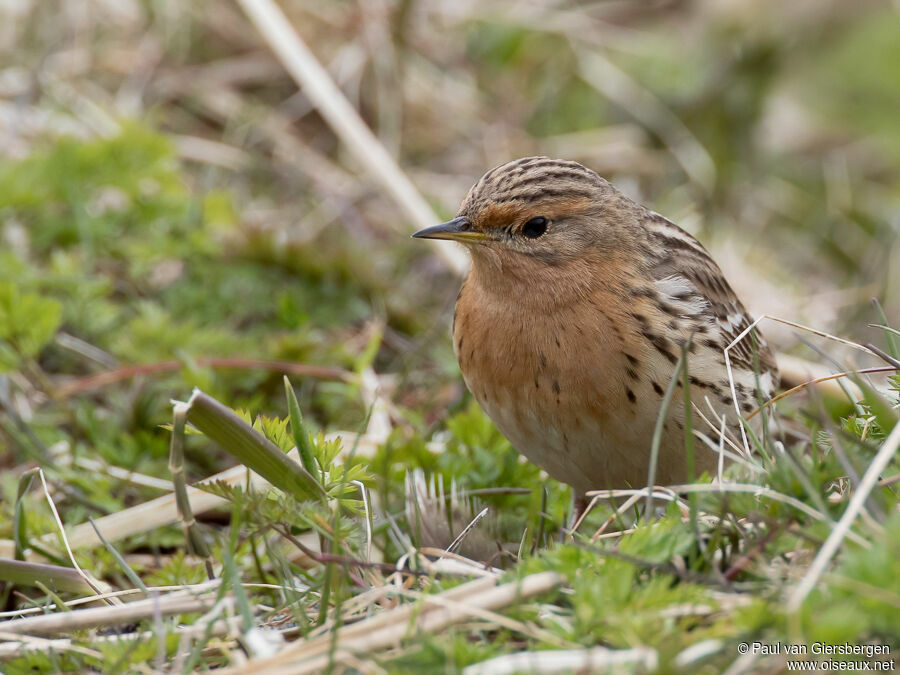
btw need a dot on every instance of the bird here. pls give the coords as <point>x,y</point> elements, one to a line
<point>571,320</point>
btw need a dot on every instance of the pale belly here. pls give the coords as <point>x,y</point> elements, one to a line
<point>589,451</point>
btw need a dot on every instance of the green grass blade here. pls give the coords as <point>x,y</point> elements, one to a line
<point>123,565</point>
<point>301,437</point>
<point>196,542</point>
<point>893,344</point>
<point>62,579</point>
<point>657,434</point>
<point>251,448</point>
<point>689,431</point>
<point>20,521</point>
<point>881,408</point>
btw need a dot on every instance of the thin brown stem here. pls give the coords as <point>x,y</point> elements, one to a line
<point>127,372</point>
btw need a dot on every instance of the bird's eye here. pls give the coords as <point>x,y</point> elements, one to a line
<point>535,227</point>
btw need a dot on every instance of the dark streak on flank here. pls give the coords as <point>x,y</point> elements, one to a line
<point>669,309</point>
<point>657,388</point>
<point>630,395</point>
<point>631,373</point>
<point>556,387</point>
<point>661,345</point>
<point>697,382</point>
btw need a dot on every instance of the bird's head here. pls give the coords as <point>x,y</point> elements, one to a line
<point>536,213</point>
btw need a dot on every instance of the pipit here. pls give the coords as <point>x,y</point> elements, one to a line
<point>572,318</point>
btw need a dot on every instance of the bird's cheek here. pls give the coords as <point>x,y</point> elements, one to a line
<point>486,253</point>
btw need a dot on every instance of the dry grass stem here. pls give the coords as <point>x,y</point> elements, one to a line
<point>390,627</point>
<point>97,586</point>
<point>758,490</point>
<point>153,514</point>
<point>747,331</point>
<point>94,382</point>
<point>596,659</point>
<point>343,118</point>
<point>842,529</point>
<point>82,619</point>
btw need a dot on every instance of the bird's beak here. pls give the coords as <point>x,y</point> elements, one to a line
<point>458,229</point>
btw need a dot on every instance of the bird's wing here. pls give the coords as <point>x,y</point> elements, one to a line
<point>688,281</point>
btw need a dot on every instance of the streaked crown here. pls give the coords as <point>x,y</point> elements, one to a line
<point>531,180</point>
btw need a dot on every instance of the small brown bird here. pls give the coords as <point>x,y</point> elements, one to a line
<point>573,316</point>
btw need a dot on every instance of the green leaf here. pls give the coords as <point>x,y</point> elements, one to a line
<point>251,448</point>
<point>301,438</point>
<point>889,333</point>
<point>884,413</point>
<point>27,323</point>
<point>53,576</point>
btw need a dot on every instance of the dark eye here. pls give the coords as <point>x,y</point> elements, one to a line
<point>535,227</point>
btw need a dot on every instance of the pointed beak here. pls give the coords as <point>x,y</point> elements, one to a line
<point>458,229</point>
